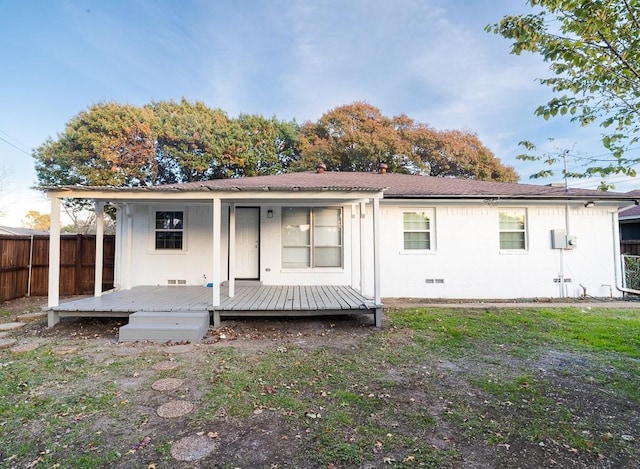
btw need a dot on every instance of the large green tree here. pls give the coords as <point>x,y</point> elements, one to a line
<point>358,137</point>
<point>108,144</point>
<point>162,143</point>
<point>593,48</point>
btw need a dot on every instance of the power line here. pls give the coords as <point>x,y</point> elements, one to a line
<point>15,146</point>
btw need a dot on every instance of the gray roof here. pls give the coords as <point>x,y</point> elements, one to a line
<point>393,185</point>
<point>19,231</point>
<point>631,213</point>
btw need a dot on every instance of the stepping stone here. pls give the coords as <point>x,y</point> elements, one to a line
<point>6,343</point>
<point>167,384</point>
<point>175,409</point>
<point>31,316</point>
<point>179,349</point>
<point>23,348</point>
<point>166,365</point>
<point>192,448</point>
<point>7,326</point>
<point>64,350</point>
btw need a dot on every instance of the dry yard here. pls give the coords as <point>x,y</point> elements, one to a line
<point>436,387</point>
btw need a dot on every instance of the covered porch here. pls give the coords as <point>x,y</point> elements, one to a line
<point>311,246</point>
<point>249,300</point>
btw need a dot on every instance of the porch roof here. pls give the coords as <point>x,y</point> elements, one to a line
<point>347,185</point>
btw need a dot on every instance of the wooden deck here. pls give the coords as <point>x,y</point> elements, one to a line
<point>255,300</point>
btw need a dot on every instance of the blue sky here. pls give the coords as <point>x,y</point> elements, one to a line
<point>429,59</point>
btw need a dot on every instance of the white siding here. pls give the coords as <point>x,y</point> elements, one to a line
<point>467,262</point>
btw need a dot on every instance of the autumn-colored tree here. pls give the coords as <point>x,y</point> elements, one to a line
<point>108,144</point>
<point>354,137</point>
<point>455,153</point>
<point>36,220</point>
<point>358,137</point>
<point>593,48</point>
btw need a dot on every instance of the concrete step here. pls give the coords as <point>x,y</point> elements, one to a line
<point>170,317</point>
<point>163,326</point>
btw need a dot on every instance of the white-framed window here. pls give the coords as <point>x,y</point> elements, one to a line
<point>311,237</point>
<point>513,230</point>
<point>169,229</point>
<point>416,230</point>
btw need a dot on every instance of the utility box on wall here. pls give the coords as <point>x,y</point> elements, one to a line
<point>560,240</point>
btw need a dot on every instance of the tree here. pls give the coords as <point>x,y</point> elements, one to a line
<point>36,220</point>
<point>357,137</point>
<point>163,142</point>
<point>194,142</point>
<point>354,137</point>
<point>83,221</point>
<point>107,145</point>
<point>266,146</point>
<point>455,153</point>
<point>593,47</point>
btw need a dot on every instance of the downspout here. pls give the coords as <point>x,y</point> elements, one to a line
<point>618,257</point>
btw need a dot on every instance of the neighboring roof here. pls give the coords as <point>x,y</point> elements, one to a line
<point>18,231</point>
<point>392,184</point>
<point>633,212</point>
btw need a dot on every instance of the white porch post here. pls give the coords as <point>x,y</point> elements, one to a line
<point>54,261</point>
<point>217,257</point>
<point>376,262</point>
<point>117,265</point>
<point>97,289</point>
<point>355,261</point>
<point>232,250</point>
<point>362,213</point>
<point>128,254</point>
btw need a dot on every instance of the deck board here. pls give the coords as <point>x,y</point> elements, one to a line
<point>259,299</point>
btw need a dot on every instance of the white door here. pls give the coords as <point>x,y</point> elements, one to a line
<point>247,243</point>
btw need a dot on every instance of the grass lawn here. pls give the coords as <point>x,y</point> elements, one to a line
<point>434,388</point>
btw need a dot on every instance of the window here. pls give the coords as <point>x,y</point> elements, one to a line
<point>512,230</point>
<point>311,237</point>
<point>169,229</point>
<point>416,227</point>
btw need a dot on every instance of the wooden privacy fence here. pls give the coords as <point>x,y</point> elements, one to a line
<point>631,247</point>
<point>24,265</point>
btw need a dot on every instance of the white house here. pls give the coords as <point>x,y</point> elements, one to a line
<point>376,234</point>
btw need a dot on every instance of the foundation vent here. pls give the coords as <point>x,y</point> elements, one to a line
<point>176,282</point>
<point>434,280</point>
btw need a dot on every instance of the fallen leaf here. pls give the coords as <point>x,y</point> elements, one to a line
<point>213,435</point>
<point>143,444</point>
<point>388,460</point>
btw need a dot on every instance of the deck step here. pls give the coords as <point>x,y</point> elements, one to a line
<point>163,326</point>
